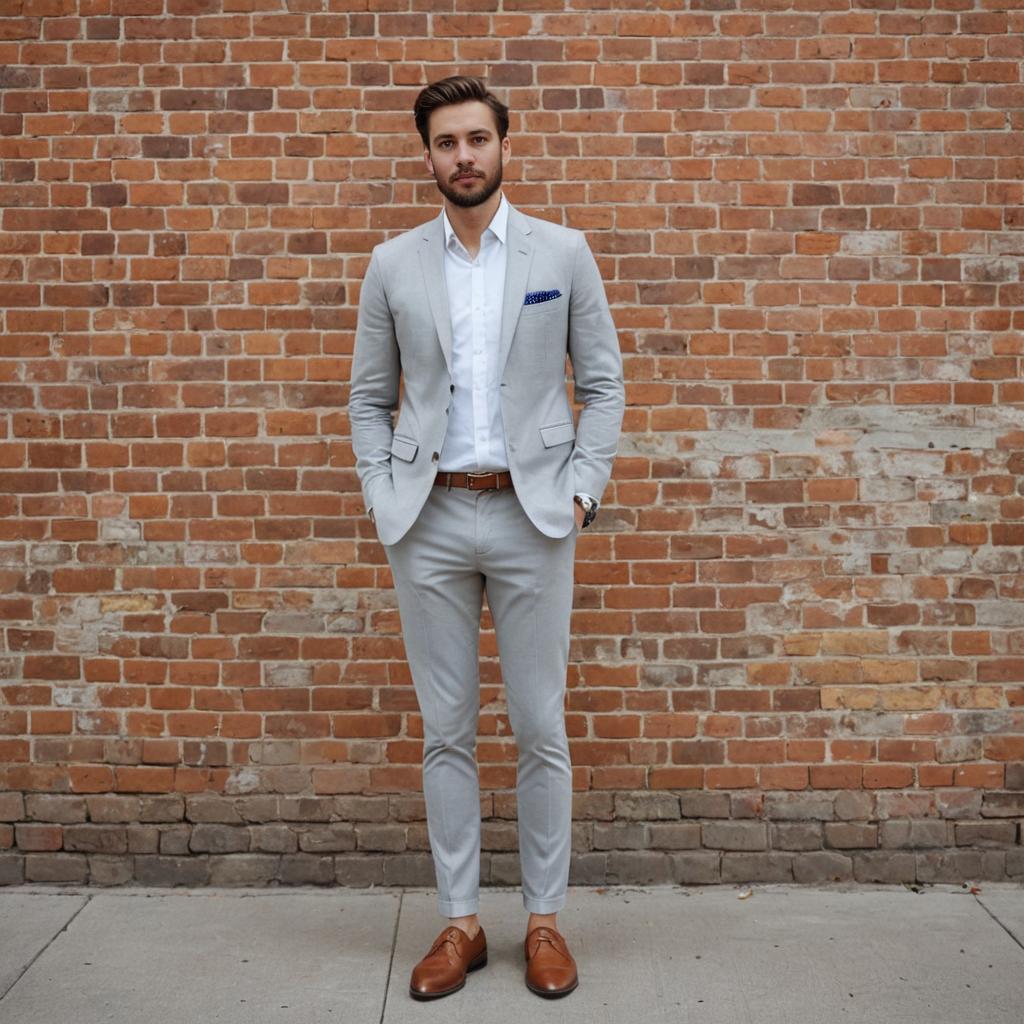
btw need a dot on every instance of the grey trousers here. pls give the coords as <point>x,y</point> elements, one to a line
<point>464,543</point>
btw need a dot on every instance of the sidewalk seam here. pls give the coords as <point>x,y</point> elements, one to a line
<point>48,944</point>
<point>391,959</point>
<point>998,922</point>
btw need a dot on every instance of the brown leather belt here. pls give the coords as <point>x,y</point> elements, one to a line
<point>474,481</point>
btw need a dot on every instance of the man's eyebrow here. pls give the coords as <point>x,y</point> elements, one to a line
<point>472,131</point>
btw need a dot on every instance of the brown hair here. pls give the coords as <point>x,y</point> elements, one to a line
<point>456,89</point>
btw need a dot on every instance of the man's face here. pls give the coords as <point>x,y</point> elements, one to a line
<point>465,155</point>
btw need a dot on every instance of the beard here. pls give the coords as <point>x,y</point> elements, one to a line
<point>478,193</point>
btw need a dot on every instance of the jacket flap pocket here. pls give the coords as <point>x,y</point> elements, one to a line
<point>404,448</point>
<point>557,433</point>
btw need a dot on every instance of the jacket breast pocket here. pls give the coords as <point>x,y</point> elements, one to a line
<point>404,448</point>
<point>557,433</point>
<point>548,307</point>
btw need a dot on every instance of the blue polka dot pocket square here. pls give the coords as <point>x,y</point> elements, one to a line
<point>532,298</point>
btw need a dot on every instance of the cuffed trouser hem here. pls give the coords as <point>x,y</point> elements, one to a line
<point>551,906</point>
<point>458,908</point>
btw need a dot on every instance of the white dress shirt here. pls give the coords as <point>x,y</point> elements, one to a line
<point>475,441</point>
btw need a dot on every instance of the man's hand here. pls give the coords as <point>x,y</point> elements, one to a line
<point>579,514</point>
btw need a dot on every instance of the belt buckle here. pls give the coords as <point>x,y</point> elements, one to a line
<point>472,476</point>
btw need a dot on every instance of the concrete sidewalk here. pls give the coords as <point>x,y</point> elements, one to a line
<point>784,953</point>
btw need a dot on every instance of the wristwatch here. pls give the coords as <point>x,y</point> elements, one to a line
<point>589,506</point>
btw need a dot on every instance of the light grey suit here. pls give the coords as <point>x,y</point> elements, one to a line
<point>446,548</point>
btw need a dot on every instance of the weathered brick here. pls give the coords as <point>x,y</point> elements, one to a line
<point>308,808</point>
<point>854,805</point>
<point>674,836</point>
<point>110,870</point>
<point>884,866</point>
<point>95,839</point>
<point>390,839</point>
<point>505,869</point>
<point>143,838</point>
<point>209,809</point>
<point>958,866</point>
<point>174,840</point>
<point>409,869</point>
<point>243,869</point>
<point>704,805</point>
<point>734,835</point>
<point>799,806</point>
<point>56,867</point>
<point>619,836</point>
<point>161,807</point>
<point>359,870</point>
<point>360,808</point>
<point>816,867</point>
<point>110,808</point>
<point>218,839</point>
<point>499,835</point>
<point>305,869</point>
<point>273,839</point>
<point>985,833</point>
<point>52,807</point>
<point>1014,863</point>
<point>646,806</point>
<point>841,835</point>
<point>334,838</point>
<point>38,837</point>
<point>915,834</point>
<point>587,868</point>
<point>796,835</point>
<point>639,867</point>
<point>12,869</point>
<point>12,807</point>
<point>1002,805</point>
<point>696,867</point>
<point>757,867</point>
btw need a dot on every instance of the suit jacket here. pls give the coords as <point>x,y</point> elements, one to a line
<point>404,333</point>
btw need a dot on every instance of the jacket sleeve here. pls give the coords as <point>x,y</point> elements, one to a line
<point>597,374</point>
<point>373,395</point>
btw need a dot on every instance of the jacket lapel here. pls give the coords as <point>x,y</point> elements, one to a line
<point>431,251</point>
<point>517,272</point>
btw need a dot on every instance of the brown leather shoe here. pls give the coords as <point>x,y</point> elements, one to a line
<point>550,968</point>
<point>443,970</point>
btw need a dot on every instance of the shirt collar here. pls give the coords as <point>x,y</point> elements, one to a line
<point>498,225</point>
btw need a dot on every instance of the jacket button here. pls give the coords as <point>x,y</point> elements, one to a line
<point>435,457</point>
<point>452,388</point>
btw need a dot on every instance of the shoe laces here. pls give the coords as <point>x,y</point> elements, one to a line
<point>551,937</point>
<point>449,935</point>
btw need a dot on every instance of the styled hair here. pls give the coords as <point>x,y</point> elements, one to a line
<point>456,89</point>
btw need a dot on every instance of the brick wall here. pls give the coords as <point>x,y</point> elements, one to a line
<point>798,643</point>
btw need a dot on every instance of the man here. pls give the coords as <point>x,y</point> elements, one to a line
<point>482,485</point>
